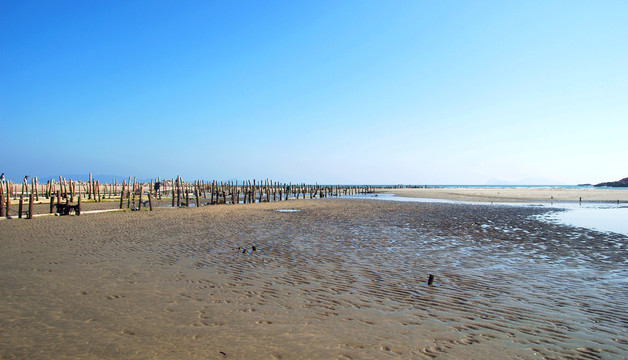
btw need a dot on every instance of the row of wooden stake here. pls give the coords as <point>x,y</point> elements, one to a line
<point>201,192</point>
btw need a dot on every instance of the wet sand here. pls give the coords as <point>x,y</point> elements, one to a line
<point>513,194</point>
<point>338,279</point>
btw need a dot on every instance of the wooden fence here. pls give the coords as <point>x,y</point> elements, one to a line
<point>18,199</point>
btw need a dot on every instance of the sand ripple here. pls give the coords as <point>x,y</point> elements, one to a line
<point>338,279</point>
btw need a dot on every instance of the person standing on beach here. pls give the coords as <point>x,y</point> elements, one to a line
<point>2,178</point>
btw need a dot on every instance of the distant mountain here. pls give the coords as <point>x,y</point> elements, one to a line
<point>620,183</point>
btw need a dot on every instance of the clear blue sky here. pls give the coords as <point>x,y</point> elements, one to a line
<point>379,92</point>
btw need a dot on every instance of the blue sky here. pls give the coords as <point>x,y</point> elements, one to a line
<point>366,92</point>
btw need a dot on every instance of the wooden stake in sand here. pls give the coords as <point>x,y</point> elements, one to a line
<point>178,191</point>
<point>8,206</point>
<point>430,280</point>
<point>122,195</point>
<point>172,184</point>
<point>35,188</point>
<point>1,204</point>
<point>89,187</point>
<point>198,198</point>
<point>139,204</point>
<point>31,200</point>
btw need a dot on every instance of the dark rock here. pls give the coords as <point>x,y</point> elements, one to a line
<point>621,183</point>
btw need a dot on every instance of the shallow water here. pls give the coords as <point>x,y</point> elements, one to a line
<point>599,216</point>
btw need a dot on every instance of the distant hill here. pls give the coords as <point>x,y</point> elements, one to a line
<point>620,183</point>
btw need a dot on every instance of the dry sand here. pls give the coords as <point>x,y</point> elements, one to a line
<point>513,194</point>
<point>339,279</point>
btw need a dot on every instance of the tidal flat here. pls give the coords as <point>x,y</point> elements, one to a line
<point>331,278</point>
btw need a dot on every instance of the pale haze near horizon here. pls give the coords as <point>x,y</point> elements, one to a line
<point>352,92</point>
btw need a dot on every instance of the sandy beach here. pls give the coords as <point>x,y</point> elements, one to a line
<point>505,194</point>
<point>334,279</point>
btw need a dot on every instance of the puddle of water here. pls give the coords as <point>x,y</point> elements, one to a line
<point>601,219</point>
<point>287,210</point>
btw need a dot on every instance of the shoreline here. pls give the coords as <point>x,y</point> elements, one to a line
<point>512,194</point>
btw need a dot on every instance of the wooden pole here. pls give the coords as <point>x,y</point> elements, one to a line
<point>71,191</point>
<point>89,187</point>
<point>178,191</point>
<point>60,185</point>
<point>212,192</point>
<point>198,198</point>
<point>34,186</point>
<point>139,204</point>
<point>21,204</point>
<point>121,195</point>
<point>150,203</point>
<point>128,194</point>
<point>31,200</point>
<point>1,203</point>
<point>133,193</point>
<point>65,188</point>
<point>8,206</point>
<point>172,192</point>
